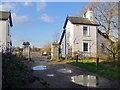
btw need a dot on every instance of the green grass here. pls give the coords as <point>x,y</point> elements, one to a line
<point>104,68</point>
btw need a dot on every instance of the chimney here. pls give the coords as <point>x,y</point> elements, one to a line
<point>89,14</point>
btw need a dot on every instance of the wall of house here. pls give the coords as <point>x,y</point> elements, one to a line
<point>93,44</point>
<point>4,37</point>
<point>62,46</point>
<point>69,33</point>
<point>69,36</point>
<point>69,39</point>
<point>78,39</point>
<point>8,36</point>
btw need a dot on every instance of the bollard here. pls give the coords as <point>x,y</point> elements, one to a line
<point>76,58</point>
<point>97,61</point>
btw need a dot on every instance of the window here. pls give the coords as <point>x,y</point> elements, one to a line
<point>85,46</point>
<point>85,31</point>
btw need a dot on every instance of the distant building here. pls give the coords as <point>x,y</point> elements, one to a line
<point>5,36</point>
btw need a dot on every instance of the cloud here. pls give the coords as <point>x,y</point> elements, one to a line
<point>6,7</point>
<point>45,18</point>
<point>41,6</point>
<point>27,3</point>
<point>20,19</point>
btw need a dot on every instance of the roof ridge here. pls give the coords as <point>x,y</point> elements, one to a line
<point>78,17</point>
<point>75,16</point>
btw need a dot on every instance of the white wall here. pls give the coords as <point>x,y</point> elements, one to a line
<point>75,38</point>
<point>69,39</point>
<point>63,47</point>
<point>4,38</point>
<point>79,38</point>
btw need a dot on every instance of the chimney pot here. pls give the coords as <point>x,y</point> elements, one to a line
<point>89,9</point>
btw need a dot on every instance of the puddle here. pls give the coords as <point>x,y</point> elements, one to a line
<point>39,68</point>
<point>64,70</point>
<point>50,75</point>
<point>85,80</point>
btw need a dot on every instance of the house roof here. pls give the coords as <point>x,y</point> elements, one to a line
<point>5,16</point>
<point>79,20</point>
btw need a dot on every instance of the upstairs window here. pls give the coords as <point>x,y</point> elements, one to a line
<point>85,31</point>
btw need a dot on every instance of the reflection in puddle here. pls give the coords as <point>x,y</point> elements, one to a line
<point>50,75</point>
<point>85,80</point>
<point>64,70</point>
<point>39,68</point>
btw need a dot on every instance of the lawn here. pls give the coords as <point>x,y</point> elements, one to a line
<point>104,68</point>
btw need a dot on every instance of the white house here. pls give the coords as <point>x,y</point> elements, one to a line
<point>79,35</point>
<point>5,36</point>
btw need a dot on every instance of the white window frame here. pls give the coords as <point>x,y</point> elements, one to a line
<point>88,46</point>
<point>88,30</point>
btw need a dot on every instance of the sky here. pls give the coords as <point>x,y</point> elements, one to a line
<point>39,22</point>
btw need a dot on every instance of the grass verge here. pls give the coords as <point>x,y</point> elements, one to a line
<point>104,68</point>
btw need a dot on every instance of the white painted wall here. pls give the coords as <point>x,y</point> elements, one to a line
<point>63,47</point>
<point>69,35</point>
<point>4,37</point>
<point>75,38</point>
<point>69,38</point>
<point>79,38</point>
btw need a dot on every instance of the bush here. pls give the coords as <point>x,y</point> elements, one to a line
<point>15,73</point>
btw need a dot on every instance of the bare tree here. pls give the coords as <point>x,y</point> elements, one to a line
<point>47,48</point>
<point>56,37</point>
<point>106,15</point>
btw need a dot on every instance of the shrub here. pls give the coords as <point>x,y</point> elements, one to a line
<point>15,73</point>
